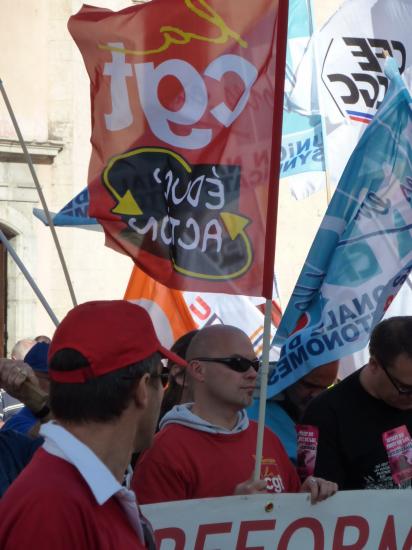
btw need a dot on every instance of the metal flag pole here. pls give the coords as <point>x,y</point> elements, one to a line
<point>29,278</point>
<point>40,192</point>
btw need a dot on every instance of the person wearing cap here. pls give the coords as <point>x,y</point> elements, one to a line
<point>105,394</point>
<point>26,421</point>
<point>207,448</point>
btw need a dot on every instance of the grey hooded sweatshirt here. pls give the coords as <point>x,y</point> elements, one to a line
<point>182,414</point>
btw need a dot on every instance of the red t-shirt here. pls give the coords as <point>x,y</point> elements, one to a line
<point>51,507</point>
<point>185,463</point>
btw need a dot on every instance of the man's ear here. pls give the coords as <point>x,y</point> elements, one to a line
<point>177,373</point>
<point>373,363</point>
<point>196,369</point>
<point>141,391</point>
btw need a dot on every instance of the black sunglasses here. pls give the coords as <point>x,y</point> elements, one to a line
<point>238,364</point>
<point>401,389</point>
<point>164,377</point>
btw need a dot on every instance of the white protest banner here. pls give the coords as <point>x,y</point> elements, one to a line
<point>351,82</point>
<point>350,520</point>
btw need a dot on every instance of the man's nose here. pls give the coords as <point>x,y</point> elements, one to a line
<point>251,373</point>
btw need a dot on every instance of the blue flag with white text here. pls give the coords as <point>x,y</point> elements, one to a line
<point>362,252</point>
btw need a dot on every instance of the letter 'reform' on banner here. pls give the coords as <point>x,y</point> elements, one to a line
<point>362,253</point>
<point>183,99</point>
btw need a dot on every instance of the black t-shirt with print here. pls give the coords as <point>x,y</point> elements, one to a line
<point>350,448</point>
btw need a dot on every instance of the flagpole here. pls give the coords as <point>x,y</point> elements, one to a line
<point>40,192</point>
<point>29,278</point>
<point>263,387</point>
<point>271,218</point>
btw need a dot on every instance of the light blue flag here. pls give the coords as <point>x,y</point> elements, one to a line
<point>302,144</point>
<point>362,252</point>
<point>74,214</point>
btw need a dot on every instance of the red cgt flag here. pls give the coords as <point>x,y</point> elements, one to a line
<point>184,170</point>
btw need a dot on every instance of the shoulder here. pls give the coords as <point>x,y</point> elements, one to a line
<point>338,395</point>
<point>48,479</point>
<point>169,442</point>
<point>21,422</point>
<point>25,506</point>
<point>18,445</point>
<point>334,403</point>
<point>172,433</point>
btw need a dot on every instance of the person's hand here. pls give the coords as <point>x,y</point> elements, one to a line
<point>19,380</point>
<point>251,487</point>
<point>319,489</point>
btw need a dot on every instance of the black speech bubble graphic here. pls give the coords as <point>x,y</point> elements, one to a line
<point>181,212</point>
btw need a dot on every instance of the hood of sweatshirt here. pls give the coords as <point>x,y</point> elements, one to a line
<point>182,414</point>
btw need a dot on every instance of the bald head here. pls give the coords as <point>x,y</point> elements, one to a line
<point>217,341</point>
<point>21,349</point>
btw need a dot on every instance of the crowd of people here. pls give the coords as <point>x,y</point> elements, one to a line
<point>79,458</point>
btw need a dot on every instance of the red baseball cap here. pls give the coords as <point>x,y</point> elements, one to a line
<point>110,334</point>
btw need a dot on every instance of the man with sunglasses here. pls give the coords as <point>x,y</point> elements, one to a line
<point>362,419</point>
<point>207,448</point>
<point>105,394</point>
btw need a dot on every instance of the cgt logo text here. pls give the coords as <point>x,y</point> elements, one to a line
<point>175,126</point>
<point>360,85</point>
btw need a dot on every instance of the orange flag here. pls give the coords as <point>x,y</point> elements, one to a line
<point>166,307</point>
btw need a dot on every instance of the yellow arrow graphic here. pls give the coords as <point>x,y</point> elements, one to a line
<point>234,223</point>
<point>127,205</point>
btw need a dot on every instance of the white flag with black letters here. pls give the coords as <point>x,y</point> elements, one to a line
<point>351,83</point>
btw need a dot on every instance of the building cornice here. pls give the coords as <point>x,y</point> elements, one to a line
<point>41,152</point>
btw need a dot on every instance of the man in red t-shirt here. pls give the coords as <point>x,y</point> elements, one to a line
<point>105,395</point>
<point>206,448</point>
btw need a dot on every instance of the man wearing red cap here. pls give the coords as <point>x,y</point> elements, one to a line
<point>105,394</point>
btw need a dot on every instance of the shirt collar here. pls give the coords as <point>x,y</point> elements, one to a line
<point>61,443</point>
